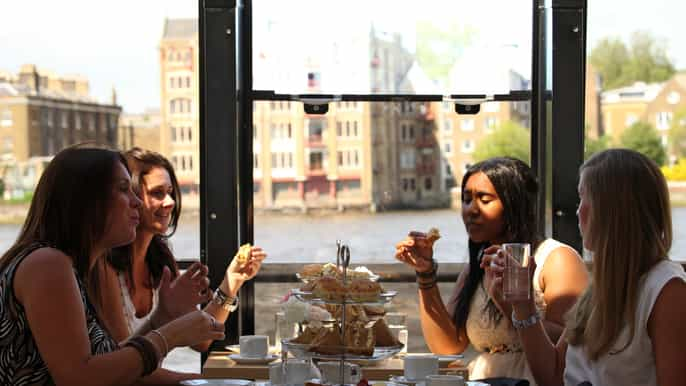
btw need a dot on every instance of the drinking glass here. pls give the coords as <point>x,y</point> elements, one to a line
<point>283,329</point>
<point>396,322</point>
<point>516,280</point>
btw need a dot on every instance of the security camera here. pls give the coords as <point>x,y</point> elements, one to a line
<point>316,109</point>
<point>467,109</point>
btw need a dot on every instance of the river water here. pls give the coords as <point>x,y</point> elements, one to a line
<point>372,237</point>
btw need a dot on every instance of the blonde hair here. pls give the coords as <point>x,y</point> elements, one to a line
<point>630,230</point>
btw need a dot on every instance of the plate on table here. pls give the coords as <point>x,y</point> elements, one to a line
<point>215,382</point>
<point>400,379</point>
<point>307,296</point>
<point>445,360</point>
<point>302,351</point>
<point>476,383</point>
<point>253,361</point>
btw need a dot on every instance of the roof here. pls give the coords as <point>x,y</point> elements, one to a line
<point>180,28</point>
<point>637,92</point>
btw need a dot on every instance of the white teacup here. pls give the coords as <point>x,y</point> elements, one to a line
<point>254,346</point>
<point>444,380</point>
<point>296,372</point>
<point>418,367</point>
<point>331,373</point>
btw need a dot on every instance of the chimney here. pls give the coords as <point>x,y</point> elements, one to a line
<point>28,75</point>
<point>114,96</point>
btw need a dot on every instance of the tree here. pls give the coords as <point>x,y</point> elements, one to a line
<point>677,134</point>
<point>645,60</point>
<point>509,139</point>
<point>609,57</point>
<point>439,48</point>
<point>592,146</point>
<point>644,139</point>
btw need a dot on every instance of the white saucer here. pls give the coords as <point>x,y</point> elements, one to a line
<point>253,361</point>
<point>401,379</point>
<point>215,382</point>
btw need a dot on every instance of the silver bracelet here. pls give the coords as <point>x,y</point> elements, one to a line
<point>164,341</point>
<point>526,323</point>
<point>225,301</point>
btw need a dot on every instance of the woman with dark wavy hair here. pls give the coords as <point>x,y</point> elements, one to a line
<point>51,334</point>
<point>132,274</point>
<point>498,206</point>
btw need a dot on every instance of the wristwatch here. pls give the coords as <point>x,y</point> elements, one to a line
<point>225,301</point>
<point>526,323</point>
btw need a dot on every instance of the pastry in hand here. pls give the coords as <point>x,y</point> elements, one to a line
<point>432,235</point>
<point>243,254</point>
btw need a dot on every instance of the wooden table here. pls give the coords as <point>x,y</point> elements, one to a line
<point>218,365</point>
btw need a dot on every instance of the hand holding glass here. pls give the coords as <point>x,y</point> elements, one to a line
<point>516,279</point>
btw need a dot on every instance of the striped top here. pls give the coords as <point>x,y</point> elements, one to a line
<point>20,361</point>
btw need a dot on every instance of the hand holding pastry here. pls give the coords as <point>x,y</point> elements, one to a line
<point>417,249</point>
<point>243,267</point>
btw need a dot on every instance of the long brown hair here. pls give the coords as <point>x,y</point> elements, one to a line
<point>158,255</point>
<point>630,230</point>
<point>516,185</point>
<point>70,205</point>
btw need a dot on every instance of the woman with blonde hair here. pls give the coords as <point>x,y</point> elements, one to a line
<point>629,327</point>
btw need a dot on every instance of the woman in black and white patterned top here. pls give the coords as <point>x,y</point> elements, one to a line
<point>50,333</point>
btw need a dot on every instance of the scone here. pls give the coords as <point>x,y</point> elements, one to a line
<point>311,271</point>
<point>364,290</point>
<point>329,288</point>
<point>243,254</point>
<point>372,311</point>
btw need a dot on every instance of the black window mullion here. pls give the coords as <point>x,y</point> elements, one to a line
<point>569,70</point>
<point>218,146</point>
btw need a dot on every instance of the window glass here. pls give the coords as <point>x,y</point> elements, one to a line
<point>387,46</point>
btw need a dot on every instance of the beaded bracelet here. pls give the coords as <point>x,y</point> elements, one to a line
<point>147,351</point>
<point>430,273</point>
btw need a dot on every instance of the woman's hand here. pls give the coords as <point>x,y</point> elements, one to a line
<point>417,251</point>
<point>493,262</point>
<point>237,274</point>
<point>192,328</point>
<point>182,295</point>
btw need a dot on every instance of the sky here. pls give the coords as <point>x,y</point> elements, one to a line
<point>114,44</point>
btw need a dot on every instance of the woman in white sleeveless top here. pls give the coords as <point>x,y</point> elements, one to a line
<point>498,205</point>
<point>139,277</point>
<point>629,327</point>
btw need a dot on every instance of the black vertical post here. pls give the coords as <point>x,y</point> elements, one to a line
<point>245,154</point>
<point>218,147</point>
<point>569,71</point>
<point>539,138</point>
